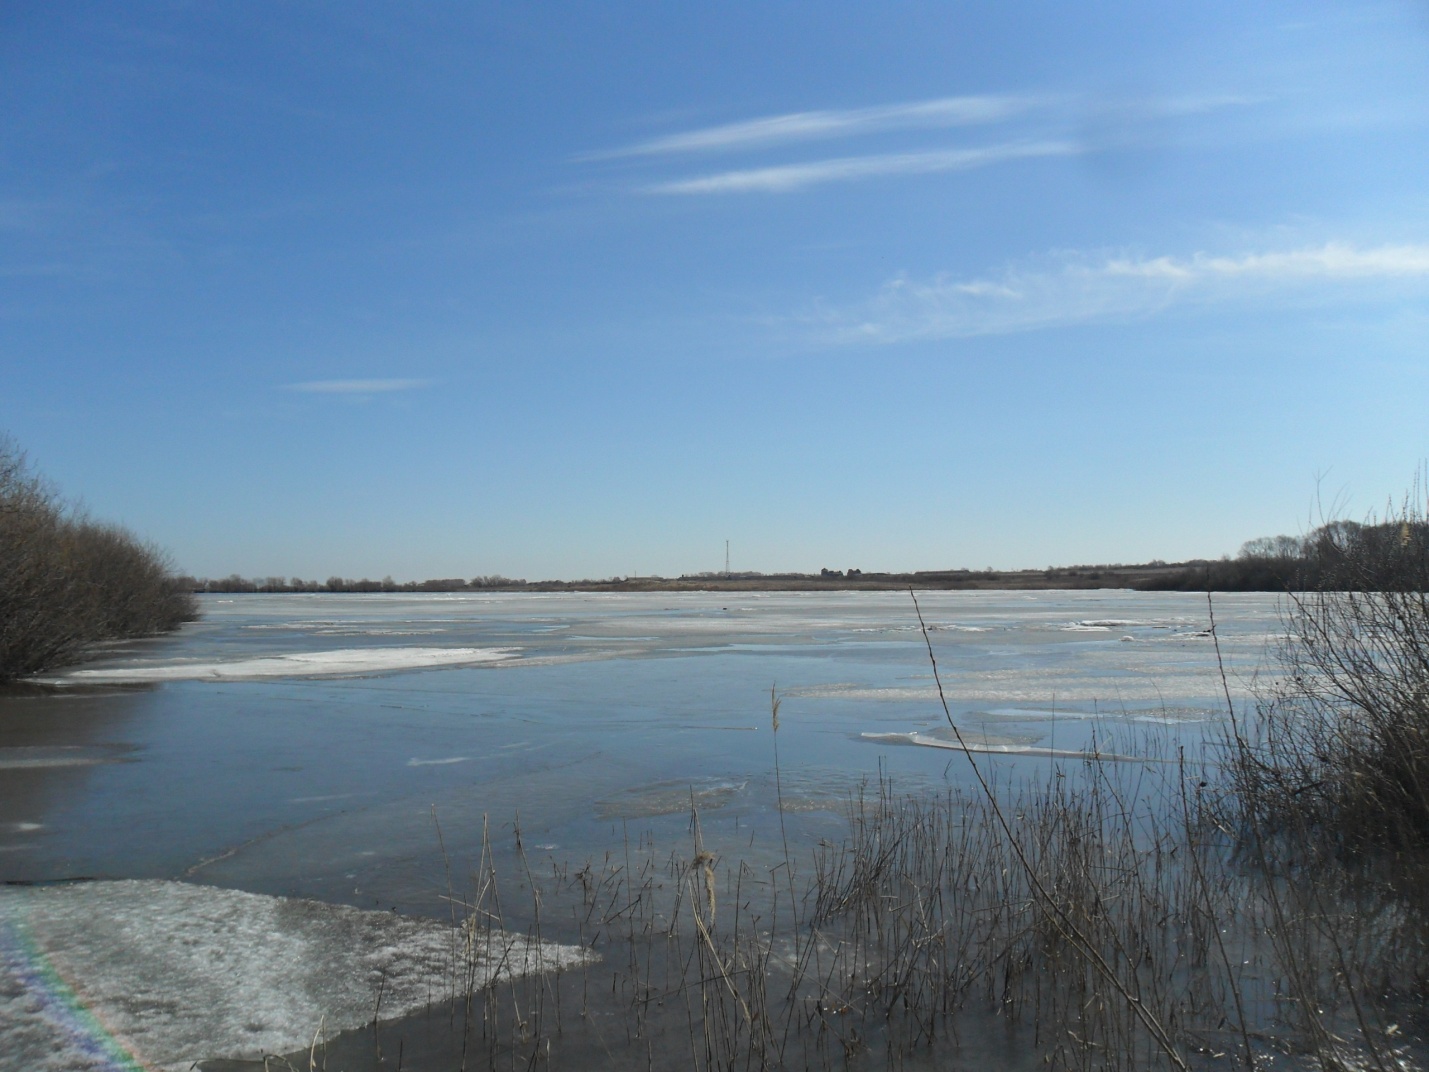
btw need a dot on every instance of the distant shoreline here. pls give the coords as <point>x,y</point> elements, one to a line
<point>948,580</point>
<point>1314,562</point>
<point>1157,576</point>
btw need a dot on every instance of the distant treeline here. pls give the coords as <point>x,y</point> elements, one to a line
<point>1341,556</point>
<point>236,583</point>
<point>1333,557</point>
<point>67,581</point>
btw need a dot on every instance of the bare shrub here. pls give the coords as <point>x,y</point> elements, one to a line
<point>67,581</point>
<point>1339,745</point>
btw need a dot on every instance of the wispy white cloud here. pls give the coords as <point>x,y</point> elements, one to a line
<point>787,177</point>
<point>808,126</point>
<point>1018,126</point>
<point>356,387</point>
<point>1331,261</point>
<point>1080,288</point>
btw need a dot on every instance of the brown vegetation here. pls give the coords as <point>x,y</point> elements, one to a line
<point>1338,749</point>
<point>67,582</point>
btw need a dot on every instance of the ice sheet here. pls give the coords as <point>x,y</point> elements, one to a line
<point>156,975</point>
<point>340,663</point>
<point>971,743</point>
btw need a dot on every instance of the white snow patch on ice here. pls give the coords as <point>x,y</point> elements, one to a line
<point>176,973</point>
<point>28,757</point>
<point>971,744</point>
<point>438,762</point>
<point>339,663</point>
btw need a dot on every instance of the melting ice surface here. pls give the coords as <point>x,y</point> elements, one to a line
<point>342,662</point>
<point>166,973</point>
<point>312,745</point>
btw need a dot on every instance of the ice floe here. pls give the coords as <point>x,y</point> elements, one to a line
<point>156,974</point>
<point>971,743</point>
<point>343,662</point>
<point>30,757</point>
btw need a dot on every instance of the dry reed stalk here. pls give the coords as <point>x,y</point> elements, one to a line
<point>1064,924</point>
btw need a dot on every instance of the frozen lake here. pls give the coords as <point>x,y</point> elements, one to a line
<point>299,744</point>
<point>363,751</point>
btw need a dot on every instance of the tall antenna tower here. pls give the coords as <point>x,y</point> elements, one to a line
<point>726,558</point>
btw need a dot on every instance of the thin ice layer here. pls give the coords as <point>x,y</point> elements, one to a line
<point>971,744</point>
<point>156,974</point>
<point>342,662</point>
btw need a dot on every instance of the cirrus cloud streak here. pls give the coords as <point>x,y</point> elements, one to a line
<point>1080,288</point>
<point>785,178</point>
<point>808,126</point>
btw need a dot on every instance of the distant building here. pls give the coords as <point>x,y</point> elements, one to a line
<point>830,573</point>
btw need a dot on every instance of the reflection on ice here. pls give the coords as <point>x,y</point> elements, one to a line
<point>668,798</point>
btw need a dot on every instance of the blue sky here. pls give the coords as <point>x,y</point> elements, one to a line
<point>586,290</point>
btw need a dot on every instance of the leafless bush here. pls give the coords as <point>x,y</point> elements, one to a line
<point>67,581</point>
<point>1338,747</point>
